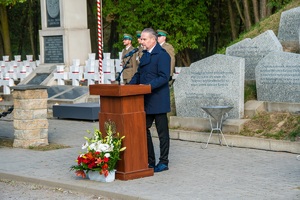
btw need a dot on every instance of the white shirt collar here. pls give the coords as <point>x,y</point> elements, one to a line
<point>128,47</point>
<point>151,49</point>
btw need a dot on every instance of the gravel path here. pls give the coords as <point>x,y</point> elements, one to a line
<point>14,190</point>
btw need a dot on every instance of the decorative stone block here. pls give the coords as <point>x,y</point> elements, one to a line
<point>31,94</point>
<point>30,104</point>
<point>30,116</point>
<point>29,143</point>
<point>31,124</point>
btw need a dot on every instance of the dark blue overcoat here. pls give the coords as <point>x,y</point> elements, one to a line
<point>154,69</point>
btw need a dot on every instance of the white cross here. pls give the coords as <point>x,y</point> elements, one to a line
<point>60,75</point>
<point>6,82</point>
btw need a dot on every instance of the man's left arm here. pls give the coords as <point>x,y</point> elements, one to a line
<point>163,71</point>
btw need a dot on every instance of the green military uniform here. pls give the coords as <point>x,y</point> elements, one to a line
<point>140,52</point>
<point>170,49</point>
<point>132,65</point>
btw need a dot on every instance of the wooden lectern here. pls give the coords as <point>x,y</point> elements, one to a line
<point>124,104</point>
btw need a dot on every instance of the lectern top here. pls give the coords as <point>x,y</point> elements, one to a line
<point>119,90</point>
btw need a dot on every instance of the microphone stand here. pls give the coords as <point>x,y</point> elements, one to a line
<point>125,67</point>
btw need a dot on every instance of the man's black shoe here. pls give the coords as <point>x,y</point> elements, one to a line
<point>160,167</point>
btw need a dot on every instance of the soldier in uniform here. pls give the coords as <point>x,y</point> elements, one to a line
<point>162,37</point>
<point>132,65</point>
<point>140,46</point>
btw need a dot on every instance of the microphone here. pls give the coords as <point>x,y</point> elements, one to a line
<point>131,53</point>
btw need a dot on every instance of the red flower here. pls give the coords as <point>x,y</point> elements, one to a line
<point>98,161</point>
<point>105,172</point>
<point>105,166</point>
<point>80,173</point>
<point>89,155</point>
<point>106,159</point>
<point>79,160</point>
<point>92,165</point>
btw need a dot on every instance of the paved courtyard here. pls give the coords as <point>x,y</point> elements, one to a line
<point>217,172</point>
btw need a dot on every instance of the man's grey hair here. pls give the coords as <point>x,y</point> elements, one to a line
<point>151,32</point>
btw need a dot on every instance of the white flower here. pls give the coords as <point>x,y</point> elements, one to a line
<point>93,146</point>
<point>104,147</point>
<point>85,145</point>
<point>107,155</point>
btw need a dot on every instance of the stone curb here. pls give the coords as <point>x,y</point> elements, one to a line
<point>234,140</point>
<point>66,186</point>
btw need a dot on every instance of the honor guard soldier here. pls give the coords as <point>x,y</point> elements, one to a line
<point>140,46</point>
<point>131,67</point>
<point>161,38</point>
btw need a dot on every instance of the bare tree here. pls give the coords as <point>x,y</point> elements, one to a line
<point>255,11</point>
<point>239,10</point>
<point>263,9</point>
<point>232,17</point>
<point>5,30</point>
<point>248,23</point>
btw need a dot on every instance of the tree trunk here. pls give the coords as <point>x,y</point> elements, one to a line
<point>263,9</point>
<point>5,30</point>
<point>269,10</point>
<point>37,21</point>
<point>247,15</point>
<point>240,11</point>
<point>184,58</point>
<point>255,11</point>
<point>113,37</point>
<point>232,16</point>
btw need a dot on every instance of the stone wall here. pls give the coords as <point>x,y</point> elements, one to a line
<point>30,116</point>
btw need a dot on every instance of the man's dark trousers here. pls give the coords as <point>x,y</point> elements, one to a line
<point>161,123</point>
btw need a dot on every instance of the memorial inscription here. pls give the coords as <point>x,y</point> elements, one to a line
<point>209,78</point>
<point>278,75</point>
<point>53,49</point>
<point>278,78</point>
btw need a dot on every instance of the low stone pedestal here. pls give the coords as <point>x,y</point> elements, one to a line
<point>30,115</point>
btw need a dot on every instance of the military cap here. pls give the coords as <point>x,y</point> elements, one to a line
<point>127,37</point>
<point>138,34</point>
<point>161,33</point>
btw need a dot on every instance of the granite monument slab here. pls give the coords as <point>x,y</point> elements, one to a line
<point>288,31</point>
<point>214,81</point>
<point>278,78</point>
<point>253,50</point>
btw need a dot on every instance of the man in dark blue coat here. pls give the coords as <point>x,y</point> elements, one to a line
<point>154,70</point>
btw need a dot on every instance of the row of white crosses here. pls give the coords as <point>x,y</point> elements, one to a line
<point>14,70</point>
<point>89,72</point>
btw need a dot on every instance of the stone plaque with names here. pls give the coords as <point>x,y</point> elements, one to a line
<point>278,78</point>
<point>214,81</point>
<point>53,13</point>
<point>289,25</point>
<point>253,50</point>
<point>53,49</point>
